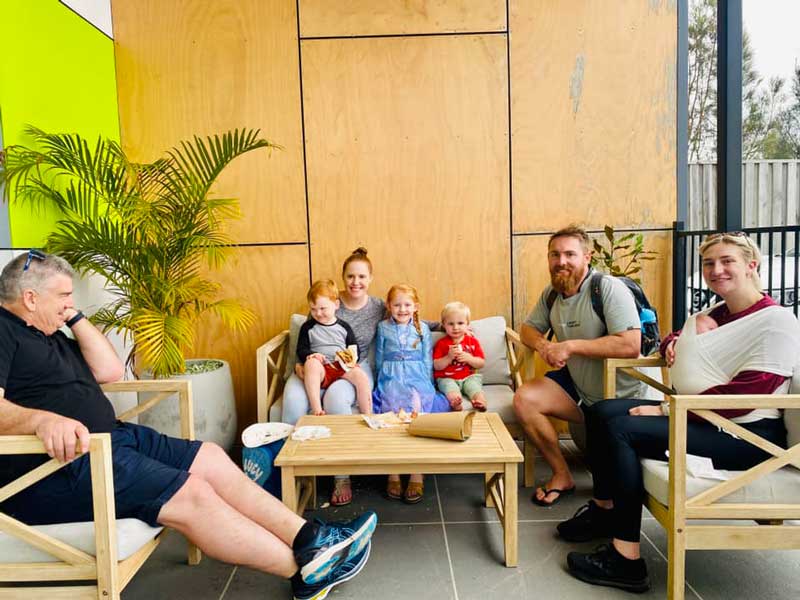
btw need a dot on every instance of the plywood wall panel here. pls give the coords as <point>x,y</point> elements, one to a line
<point>407,154</point>
<point>531,274</point>
<point>593,113</point>
<point>186,68</point>
<point>367,17</point>
<point>272,281</point>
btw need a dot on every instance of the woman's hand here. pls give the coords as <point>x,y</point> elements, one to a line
<point>299,370</point>
<point>669,353</point>
<point>646,410</point>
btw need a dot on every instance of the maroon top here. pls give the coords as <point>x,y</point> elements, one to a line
<point>745,382</point>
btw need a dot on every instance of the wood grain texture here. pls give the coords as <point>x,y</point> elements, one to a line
<point>186,68</point>
<point>320,18</point>
<point>272,281</point>
<point>407,155</point>
<point>593,113</point>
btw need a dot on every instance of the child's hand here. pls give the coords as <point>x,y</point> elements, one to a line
<point>317,356</point>
<point>318,412</point>
<point>299,370</point>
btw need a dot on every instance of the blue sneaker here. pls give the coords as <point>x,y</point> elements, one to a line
<point>344,572</point>
<point>333,544</point>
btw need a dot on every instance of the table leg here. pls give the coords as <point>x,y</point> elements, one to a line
<point>288,489</point>
<point>487,477</point>
<point>510,514</point>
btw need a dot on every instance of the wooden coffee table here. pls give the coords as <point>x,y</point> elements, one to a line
<point>355,449</point>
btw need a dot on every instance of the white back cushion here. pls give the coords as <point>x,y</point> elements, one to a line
<point>791,417</point>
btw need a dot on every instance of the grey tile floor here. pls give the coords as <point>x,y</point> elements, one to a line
<point>450,547</point>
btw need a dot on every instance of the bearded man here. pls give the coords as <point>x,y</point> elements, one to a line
<point>583,341</point>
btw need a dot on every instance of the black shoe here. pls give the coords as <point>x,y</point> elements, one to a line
<point>588,523</point>
<point>606,566</point>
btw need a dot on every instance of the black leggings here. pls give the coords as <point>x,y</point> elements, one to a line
<point>616,441</point>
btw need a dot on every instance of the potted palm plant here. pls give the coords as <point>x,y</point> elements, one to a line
<point>152,231</point>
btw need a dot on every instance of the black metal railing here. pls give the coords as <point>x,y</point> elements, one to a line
<point>779,246</point>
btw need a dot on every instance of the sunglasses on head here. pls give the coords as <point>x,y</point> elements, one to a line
<point>714,236</point>
<point>31,255</point>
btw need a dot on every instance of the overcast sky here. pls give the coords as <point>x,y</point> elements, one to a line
<point>773,28</point>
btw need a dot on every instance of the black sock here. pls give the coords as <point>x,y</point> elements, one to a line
<point>304,536</point>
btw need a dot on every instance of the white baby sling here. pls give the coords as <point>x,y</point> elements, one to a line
<point>767,340</point>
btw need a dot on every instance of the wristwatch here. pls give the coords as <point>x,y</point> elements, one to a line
<point>75,318</point>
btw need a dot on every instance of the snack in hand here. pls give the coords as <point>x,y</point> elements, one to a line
<point>348,357</point>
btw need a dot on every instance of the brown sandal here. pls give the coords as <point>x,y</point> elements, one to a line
<point>394,489</point>
<point>414,492</point>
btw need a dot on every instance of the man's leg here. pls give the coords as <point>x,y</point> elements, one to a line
<point>224,533</point>
<point>533,403</point>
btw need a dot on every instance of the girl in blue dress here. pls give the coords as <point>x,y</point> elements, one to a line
<point>404,366</point>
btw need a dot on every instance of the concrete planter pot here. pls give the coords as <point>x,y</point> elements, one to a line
<point>213,402</point>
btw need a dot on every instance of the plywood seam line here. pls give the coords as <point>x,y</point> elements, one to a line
<point>303,136</point>
<point>510,170</point>
<point>401,35</point>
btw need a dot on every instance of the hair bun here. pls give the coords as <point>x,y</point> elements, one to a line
<point>360,251</point>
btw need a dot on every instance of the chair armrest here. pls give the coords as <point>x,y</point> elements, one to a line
<point>271,360</point>
<point>102,498</point>
<point>628,366</point>
<point>704,407</point>
<point>162,389</point>
<point>518,356</point>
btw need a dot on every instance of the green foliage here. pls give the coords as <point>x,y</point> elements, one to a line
<point>622,255</point>
<point>153,230</point>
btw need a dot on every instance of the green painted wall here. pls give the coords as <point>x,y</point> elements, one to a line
<point>57,73</point>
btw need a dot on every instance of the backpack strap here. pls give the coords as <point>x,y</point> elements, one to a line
<point>596,295</point>
<point>549,301</point>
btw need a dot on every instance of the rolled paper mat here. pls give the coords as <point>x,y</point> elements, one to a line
<point>446,426</point>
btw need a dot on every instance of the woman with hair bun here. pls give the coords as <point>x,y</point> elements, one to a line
<point>363,313</point>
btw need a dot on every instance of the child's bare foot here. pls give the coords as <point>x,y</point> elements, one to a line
<point>455,401</point>
<point>479,402</point>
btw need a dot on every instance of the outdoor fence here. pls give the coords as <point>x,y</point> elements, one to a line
<point>770,194</point>
<point>779,268</point>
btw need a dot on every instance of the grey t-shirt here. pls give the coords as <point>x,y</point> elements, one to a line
<point>364,322</point>
<point>574,318</point>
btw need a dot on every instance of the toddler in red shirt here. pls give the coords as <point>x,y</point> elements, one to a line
<point>456,357</point>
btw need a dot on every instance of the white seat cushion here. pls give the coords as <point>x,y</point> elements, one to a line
<point>132,534</point>
<point>779,487</point>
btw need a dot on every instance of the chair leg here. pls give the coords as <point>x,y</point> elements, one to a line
<point>194,554</point>
<point>676,564</point>
<point>529,453</point>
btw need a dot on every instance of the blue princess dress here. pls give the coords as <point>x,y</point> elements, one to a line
<point>405,371</point>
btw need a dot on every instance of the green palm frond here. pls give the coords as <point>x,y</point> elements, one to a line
<point>151,229</point>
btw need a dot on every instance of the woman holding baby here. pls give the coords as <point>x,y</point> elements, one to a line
<point>746,344</point>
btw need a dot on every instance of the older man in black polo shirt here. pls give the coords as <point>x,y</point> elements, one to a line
<point>49,386</point>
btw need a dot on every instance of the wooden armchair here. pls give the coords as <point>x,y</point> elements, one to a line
<point>98,564</point>
<point>676,499</point>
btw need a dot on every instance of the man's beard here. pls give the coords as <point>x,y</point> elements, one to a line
<point>565,280</point>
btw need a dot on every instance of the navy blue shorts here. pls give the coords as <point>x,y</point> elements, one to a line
<point>564,379</point>
<point>149,468</point>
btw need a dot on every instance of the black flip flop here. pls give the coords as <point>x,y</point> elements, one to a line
<point>561,494</point>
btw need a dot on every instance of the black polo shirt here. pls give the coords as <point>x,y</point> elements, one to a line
<point>47,372</point>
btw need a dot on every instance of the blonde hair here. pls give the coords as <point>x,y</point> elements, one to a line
<point>749,249</point>
<point>452,307</point>
<point>411,291</point>
<point>359,254</point>
<point>322,288</point>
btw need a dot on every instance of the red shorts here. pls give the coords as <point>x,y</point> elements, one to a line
<point>333,372</point>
